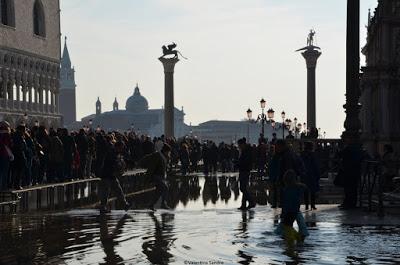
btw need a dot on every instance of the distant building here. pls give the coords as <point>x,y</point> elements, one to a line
<point>380,84</point>
<point>67,88</point>
<point>137,115</point>
<point>30,61</point>
<point>231,131</point>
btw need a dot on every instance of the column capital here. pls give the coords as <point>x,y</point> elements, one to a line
<point>311,56</point>
<point>169,64</point>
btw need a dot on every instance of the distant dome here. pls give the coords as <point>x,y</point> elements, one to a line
<point>137,103</point>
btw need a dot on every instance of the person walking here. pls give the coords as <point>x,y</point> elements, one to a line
<point>156,164</point>
<point>311,176</point>
<point>245,164</point>
<point>112,168</point>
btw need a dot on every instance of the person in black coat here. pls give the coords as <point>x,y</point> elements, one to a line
<point>311,176</point>
<point>245,164</point>
<point>82,144</point>
<point>19,165</point>
<point>113,167</point>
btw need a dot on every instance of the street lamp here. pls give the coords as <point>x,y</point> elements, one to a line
<point>295,127</point>
<point>299,127</point>
<point>36,123</point>
<point>249,117</point>
<point>283,115</point>
<point>270,114</point>
<point>263,103</point>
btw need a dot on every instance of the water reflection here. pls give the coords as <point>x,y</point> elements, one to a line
<point>156,246</point>
<point>204,226</point>
<point>243,234</point>
<point>108,238</point>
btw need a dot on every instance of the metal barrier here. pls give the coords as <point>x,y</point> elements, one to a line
<point>374,188</point>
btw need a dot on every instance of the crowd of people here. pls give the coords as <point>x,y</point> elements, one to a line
<point>32,156</point>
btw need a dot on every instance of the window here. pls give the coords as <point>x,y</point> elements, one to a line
<point>7,16</point>
<point>39,19</point>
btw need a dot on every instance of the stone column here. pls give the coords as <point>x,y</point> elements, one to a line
<point>352,124</point>
<point>51,101</point>
<point>18,86</point>
<point>30,97</point>
<point>56,100</point>
<point>4,89</point>
<point>311,55</point>
<point>169,66</point>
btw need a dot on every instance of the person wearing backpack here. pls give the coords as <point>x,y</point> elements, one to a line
<point>112,168</point>
<point>156,165</point>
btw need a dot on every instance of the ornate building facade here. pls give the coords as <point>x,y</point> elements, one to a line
<point>30,61</point>
<point>67,88</point>
<point>380,82</point>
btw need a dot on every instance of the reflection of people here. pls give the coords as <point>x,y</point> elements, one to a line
<point>156,248</point>
<point>113,168</point>
<point>243,234</point>
<point>156,164</point>
<point>108,239</point>
<point>245,164</point>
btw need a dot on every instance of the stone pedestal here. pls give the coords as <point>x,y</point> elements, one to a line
<point>311,54</point>
<point>169,66</point>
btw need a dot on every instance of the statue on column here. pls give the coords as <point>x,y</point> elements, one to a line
<point>310,39</point>
<point>171,50</point>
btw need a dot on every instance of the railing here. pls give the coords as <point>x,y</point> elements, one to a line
<point>373,186</point>
<point>68,194</point>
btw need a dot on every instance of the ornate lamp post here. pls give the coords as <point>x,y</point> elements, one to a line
<point>283,115</point>
<point>295,127</point>
<point>90,124</point>
<point>299,127</point>
<point>249,117</point>
<point>261,118</point>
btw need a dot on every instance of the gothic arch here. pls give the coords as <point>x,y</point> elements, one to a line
<point>7,13</point>
<point>39,21</point>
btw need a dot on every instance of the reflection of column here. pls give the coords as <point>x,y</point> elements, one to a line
<point>311,55</point>
<point>169,65</point>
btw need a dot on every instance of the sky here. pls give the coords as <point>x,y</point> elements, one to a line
<point>239,52</point>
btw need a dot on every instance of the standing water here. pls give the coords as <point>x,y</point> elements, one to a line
<point>204,228</point>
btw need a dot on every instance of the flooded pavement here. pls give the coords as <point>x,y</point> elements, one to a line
<point>204,228</point>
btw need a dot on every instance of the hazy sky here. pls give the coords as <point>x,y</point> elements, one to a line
<point>238,50</point>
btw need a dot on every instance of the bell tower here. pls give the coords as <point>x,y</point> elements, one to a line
<point>67,88</point>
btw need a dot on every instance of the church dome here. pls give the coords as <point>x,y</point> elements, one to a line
<point>137,103</point>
